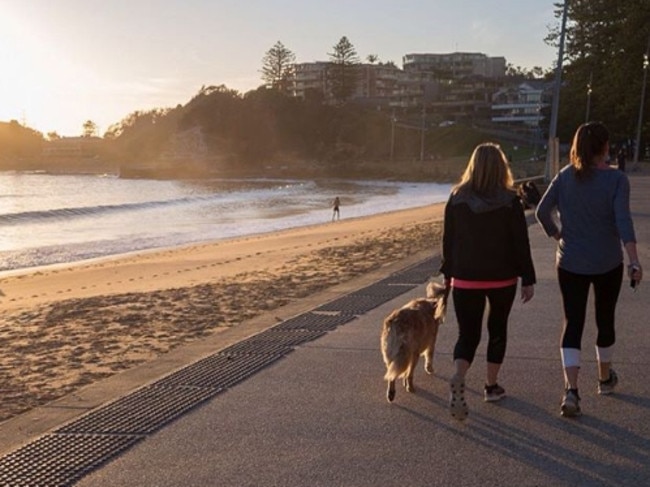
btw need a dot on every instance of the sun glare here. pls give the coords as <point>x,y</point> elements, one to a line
<point>32,70</point>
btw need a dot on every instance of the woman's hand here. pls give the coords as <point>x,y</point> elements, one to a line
<point>527,293</point>
<point>635,272</point>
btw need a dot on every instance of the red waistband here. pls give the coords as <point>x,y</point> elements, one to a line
<point>464,284</point>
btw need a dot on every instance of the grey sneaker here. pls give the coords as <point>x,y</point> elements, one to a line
<point>493,393</point>
<point>570,406</point>
<point>606,387</point>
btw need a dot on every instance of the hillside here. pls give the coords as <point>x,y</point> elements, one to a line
<point>262,133</point>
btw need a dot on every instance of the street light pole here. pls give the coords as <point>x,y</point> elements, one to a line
<point>591,77</point>
<point>555,108</point>
<point>538,130</point>
<point>640,121</point>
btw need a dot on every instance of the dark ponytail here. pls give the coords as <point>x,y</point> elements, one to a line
<point>589,142</point>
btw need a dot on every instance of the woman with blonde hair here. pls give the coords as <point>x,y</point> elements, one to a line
<point>485,251</point>
<point>595,224</point>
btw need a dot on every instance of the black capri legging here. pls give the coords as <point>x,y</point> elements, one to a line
<point>575,292</point>
<point>469,305</point>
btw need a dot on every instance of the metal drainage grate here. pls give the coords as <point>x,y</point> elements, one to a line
<point>417,274</point>
<point>217,371</point>
<point>141,412</point>
<point>314,321</point>
<point>354,304</point>
<point>60,460</point>
<point>384,290</point>
<point>272,342</point>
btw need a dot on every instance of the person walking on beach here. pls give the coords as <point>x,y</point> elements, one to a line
<point>593,201</point>
<point>485,250</point>
<point>336,209</point>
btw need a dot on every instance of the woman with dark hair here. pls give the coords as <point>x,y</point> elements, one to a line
<point>593,201</point>
<point>485,250</point>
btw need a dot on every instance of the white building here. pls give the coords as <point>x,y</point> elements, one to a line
<point>521,104</point>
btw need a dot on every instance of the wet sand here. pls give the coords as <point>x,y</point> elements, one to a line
<point>65,327</point>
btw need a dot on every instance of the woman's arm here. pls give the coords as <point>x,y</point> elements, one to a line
<point>625,227</point>
<point>522,245</point>
<point>447,244</point>
<point>634,269</point>
<point>545,210</point>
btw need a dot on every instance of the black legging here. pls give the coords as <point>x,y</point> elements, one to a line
<point>575,292</point>
<point>470,307</point>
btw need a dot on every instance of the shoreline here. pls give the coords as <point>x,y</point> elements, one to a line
<point>84,225</point>
<point>179,247</point>
<point>72,326</point>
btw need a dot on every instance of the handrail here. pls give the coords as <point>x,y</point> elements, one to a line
<point>532,178</point>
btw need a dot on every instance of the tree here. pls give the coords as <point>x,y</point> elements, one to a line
<point>605,43</point>
<point>342,72</point>
<point>536,72</point>
<point>89,128</point>
<point>19,145</point>
<point>277,67</point>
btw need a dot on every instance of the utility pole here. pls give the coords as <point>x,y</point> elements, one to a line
<point>552,151</point>
<point>637,147</point>
<point>422,128</point>
<point>392,135</point>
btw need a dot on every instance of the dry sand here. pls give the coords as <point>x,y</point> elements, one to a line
<point>64,327</point>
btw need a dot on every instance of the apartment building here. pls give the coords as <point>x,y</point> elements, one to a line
<point>376,83</point>
<point>309,77</point>
<point>455,86</point>
<point>456,65</point>
<point>66,149</point>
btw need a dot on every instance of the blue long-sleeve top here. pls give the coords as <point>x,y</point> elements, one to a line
<point>594,217</point>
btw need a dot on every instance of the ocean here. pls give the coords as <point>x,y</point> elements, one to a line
<point>53,219</point>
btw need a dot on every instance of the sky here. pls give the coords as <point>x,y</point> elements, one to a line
<point>64,62</point>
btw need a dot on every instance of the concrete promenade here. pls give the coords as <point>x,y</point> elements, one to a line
<point>319,417</point>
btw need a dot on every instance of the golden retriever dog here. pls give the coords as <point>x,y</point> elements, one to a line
<point>409,332</point>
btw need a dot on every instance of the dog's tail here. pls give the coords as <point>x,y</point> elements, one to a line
<point>440,294</point>
<point>393,349</point>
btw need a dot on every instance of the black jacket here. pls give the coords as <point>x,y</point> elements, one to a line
<point>486,238</point>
